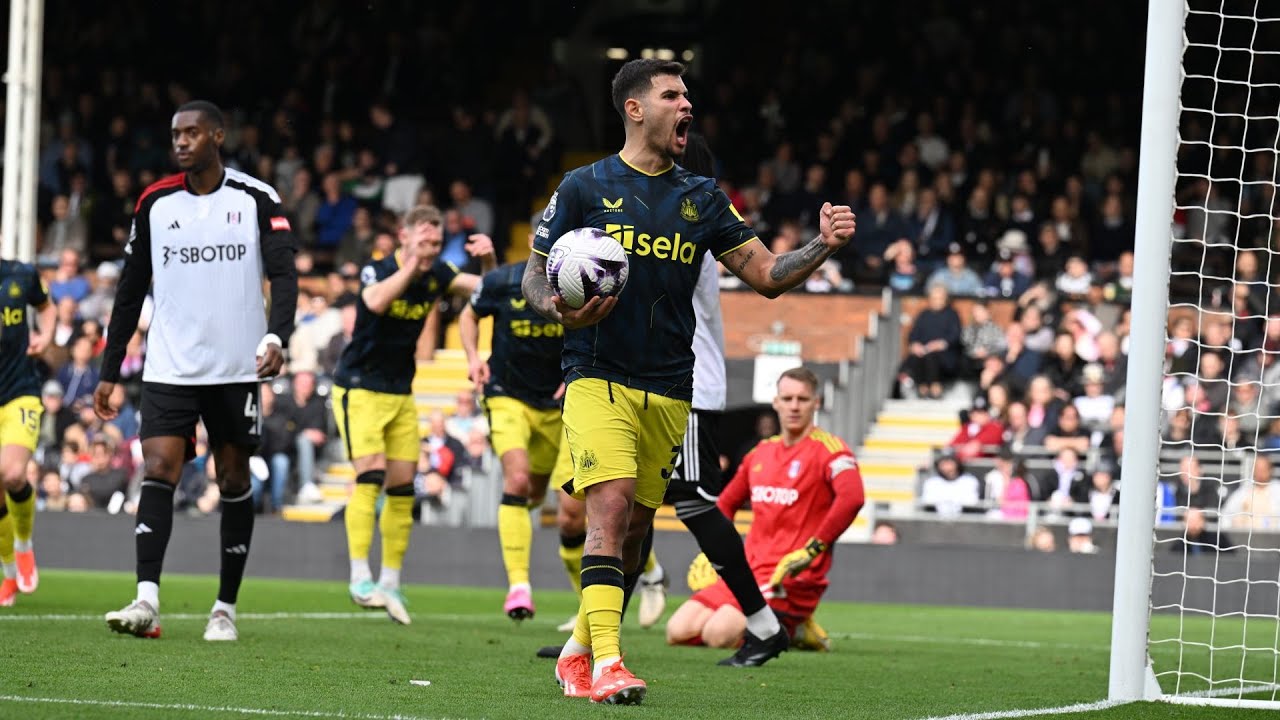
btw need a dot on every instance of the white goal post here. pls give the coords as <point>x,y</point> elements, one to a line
<point>1196,618</point>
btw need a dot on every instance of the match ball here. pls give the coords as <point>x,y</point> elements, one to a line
<point>587,263</point>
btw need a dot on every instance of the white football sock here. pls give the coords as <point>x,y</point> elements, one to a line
<point>573,647</point>
<point>22,545</point>
<point>763,623</point>
<point>602,666</point>
<point>390,578</point>
<point>360,570</point>
<point>149,593</point>
<point>228,608</point>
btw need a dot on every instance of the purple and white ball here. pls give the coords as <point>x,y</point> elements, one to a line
<point>587,263</point>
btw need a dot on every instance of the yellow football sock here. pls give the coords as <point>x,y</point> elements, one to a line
<point>515,533</point>
<point>572,559</point>
<point>24,514</point>
<point>651,562</point>
<point>603,608</point>
<point>582,630</point>
<point>361,510</point>
<point>6,537</point>
<point>396,524</point>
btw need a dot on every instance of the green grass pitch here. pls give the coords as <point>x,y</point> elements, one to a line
<point>58,660</point>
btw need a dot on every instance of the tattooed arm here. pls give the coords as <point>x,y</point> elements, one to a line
<point>542,298</point>
<point>771,275</point>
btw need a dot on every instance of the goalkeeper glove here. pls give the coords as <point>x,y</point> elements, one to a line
<point>701,574</point>
<point>795,561</point>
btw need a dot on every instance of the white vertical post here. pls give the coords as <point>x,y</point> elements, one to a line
<point>14,76</point>
<point>1156,177</point>
<point>29,177</point>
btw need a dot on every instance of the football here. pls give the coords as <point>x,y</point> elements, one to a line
<point>587,263</point>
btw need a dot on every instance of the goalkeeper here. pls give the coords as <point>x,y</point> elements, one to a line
<point>805,491</point>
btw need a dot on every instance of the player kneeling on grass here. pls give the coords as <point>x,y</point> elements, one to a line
<point>805,491</point>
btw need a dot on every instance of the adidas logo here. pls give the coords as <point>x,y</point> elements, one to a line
<point>141,528</point>
<point>175,226</point>
<point>237,550</point>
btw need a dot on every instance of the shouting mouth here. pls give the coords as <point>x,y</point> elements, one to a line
<point>682,130</point>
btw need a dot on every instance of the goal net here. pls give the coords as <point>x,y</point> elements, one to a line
<point>1213,536</point>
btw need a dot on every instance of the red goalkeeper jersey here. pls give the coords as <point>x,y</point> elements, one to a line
<point>811,489</point>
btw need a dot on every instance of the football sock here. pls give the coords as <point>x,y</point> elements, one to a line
<point>763,623</point>
<point>630,579</point>
<point>149,593</point>
<point>151,529</point>
<point>6,542</point>
<point>228,608</point>
<point>22,504</point>
<point>396,523</point>
<point>360,570</point>
<point>602,582</point>
<point>571,556</point>
<point>359,516</point>
<point>515,533</point>
<point>722,545</point>
<point>651,562</point>
<point>389,578</point>
<point>237,535</point>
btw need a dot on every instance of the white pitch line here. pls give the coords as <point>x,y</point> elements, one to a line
<point>985,642</point>
<point>371,615</point>
<point>1093,706</point>
<point>206,708</point>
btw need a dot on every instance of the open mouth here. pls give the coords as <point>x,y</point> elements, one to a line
<point>682,130</point>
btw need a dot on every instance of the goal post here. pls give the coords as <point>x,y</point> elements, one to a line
<point>1196,618</point>
<point>1157,174</point>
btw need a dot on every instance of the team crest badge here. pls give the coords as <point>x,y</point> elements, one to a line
<point>794,471</point>
<point>519,303</point>
<point>14,290</point>
<point>587,460</point>
<point>688,210</point>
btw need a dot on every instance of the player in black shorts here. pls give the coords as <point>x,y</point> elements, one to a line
<point>205,239</point>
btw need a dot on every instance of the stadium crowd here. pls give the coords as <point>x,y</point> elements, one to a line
<point>1005,195</point>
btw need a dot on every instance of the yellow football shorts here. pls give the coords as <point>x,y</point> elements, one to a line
<point>619,432</point>
<point>563,470</point>
<point>375,423</point>
<point>514,425</point>
<point>20,422</point>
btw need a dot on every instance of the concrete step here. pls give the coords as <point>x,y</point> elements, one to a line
<point>940,436</point>
<point>921,447</point>
<point>869,456</point>
<point>948,422</point>
<point>887,470</point>
<point>323,512</point>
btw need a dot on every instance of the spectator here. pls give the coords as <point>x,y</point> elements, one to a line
<point>1065,473</point>
<point>1080,536</point>
<point>1256,503</point>
<point>466,417</point>
<point>1004,280</point>
<point>1197,539</point>
<point>1115,365</point>
<point>902,273</point>
<point>79,377</point>
<point>1037,336</point>
<point>930,228</point>
<point>1050,254</point>
<point>308,423</point>
<point>1194,488</point>
<point>104,485</point>
<point>1120,288</point>
<point>1095,405</point>
<point>979,433</point>
<point>334,216</point>
<point>333,351</point>
<point>1021,363</point>
<point>1006,487</point>
<point>1068,432</point>
<point>1101,493</point>
<point>1074,281</point>
<point>956,276</point>
<point>98,303</point>
<point>1042,407</point>
<point>1042,540</point>
<point>65,232</point>
<point>950,489</point>
<point>53,492</point>
<point>303,207</point>
<point>933,347</point>
<point>67,281</point>
<point>885,533</point>
<point>439,464</point>
<point>1063,367</point>
<point>880,225</point>
<point>981,339</point>
<point>476,213</point>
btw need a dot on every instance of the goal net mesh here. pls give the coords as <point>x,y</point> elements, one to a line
<point>1215,597</point>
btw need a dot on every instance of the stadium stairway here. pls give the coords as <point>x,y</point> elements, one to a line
<point>435,387</point>
<point>900,442</point>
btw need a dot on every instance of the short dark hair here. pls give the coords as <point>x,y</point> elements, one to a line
<point>801,374</point>
<point>206,109</point>
<point>638,74</point>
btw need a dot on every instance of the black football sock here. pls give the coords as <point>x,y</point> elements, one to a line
<point>237,532</point>
<point>152,527</point>
<point>630,579</point>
